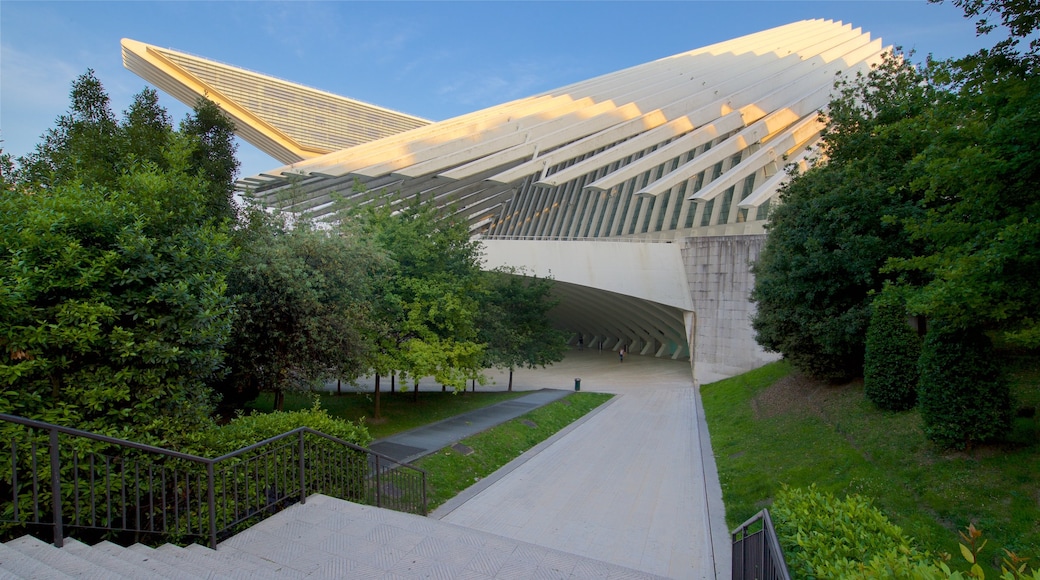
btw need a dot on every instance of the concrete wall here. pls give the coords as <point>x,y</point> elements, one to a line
<point>646,271</point>
<point>719,275</point>
<point>660,299</point>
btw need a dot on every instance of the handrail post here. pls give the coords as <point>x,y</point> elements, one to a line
<point>59,533</point>
<point>379,491</point>
<point>211,497</point>
<point>303,475</point>
<point>425,503</point>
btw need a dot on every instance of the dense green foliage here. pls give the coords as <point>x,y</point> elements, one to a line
<point>826,537</point>
<point>977,182</point>
<point>849,539</point>
<point>248,429</point>
<point>426,312</point>
<point>828,240</point>
<point>952,216</point>
<point>133,285</point>
<point>113,276</point>
<point>303,300</point>
<point>964,396</point>
<point>890,367</point>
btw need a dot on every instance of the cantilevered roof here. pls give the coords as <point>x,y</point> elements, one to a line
<point>693,144</point>
<point>288,121</point>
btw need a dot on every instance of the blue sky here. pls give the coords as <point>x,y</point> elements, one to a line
<point>431,59</point>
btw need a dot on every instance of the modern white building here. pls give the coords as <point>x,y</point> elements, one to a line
<point>642,192</point>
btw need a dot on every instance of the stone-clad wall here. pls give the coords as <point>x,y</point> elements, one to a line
<point>719,273</point>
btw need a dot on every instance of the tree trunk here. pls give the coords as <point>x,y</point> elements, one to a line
<point>55,387</point>
<point>510,379</point>
<point>415,392</point>
<point>339,386</point>
<point>393,380</point>
<point>474,385</point>
<point>377,416</point>
<point>279,400</point>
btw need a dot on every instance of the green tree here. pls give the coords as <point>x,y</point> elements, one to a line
<point>828,240</point>
<point>427,310</point>
<point>83,144</point>
<point>963,396</point>
<point>214,156</point>
<point>113,282</point>
<point>513,322</point>
<point>303,304</point>
<point>980,260</point>
<point>108,326</point>
<point>890,368</point>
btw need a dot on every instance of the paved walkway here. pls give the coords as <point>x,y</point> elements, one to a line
<point>634,485</point>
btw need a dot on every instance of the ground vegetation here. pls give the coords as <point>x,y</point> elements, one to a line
<point>775,426</point>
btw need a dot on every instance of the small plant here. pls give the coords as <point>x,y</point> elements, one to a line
<point>1012,566</point>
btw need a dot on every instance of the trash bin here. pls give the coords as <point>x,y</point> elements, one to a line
<point>577,384</point>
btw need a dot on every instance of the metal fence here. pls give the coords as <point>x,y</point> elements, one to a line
<point>64,478</point>
<point>756,551</point>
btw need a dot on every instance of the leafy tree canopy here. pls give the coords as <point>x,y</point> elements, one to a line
<point>304,305</point>
<point>514,322</point>
<point>427,311</point>
<point>112,279</point>
<point>830,237</point>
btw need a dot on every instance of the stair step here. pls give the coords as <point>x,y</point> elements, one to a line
<point>244,565</point>
<point>22,566</point>
<point>59,559</point>
<point>183,560</point>
<point>143,559</point>
<point>105,559</point>
<point>237,563</point>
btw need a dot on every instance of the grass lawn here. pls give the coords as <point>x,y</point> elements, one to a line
<point>772,426</point>
<point>450,472</point>
<point>399,411</point>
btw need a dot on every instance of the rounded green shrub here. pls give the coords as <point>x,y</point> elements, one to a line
<point>890,367</point>
<point>248,429</point>
<point>826,537</point>
<point>963,395</point>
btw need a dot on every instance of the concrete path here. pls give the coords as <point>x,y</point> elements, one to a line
<point>634,484</point>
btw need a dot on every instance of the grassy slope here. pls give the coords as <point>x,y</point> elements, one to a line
<point>770,427</point>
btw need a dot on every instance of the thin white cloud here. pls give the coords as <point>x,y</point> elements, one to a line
<point>487,88</point>
<point>32,82</point>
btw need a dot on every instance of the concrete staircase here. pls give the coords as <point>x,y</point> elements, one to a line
<point>28,557</point>
<point>325,538</point>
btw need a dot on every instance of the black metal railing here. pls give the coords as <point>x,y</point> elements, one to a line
<point>756,551</point>
<point>63,478</point>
